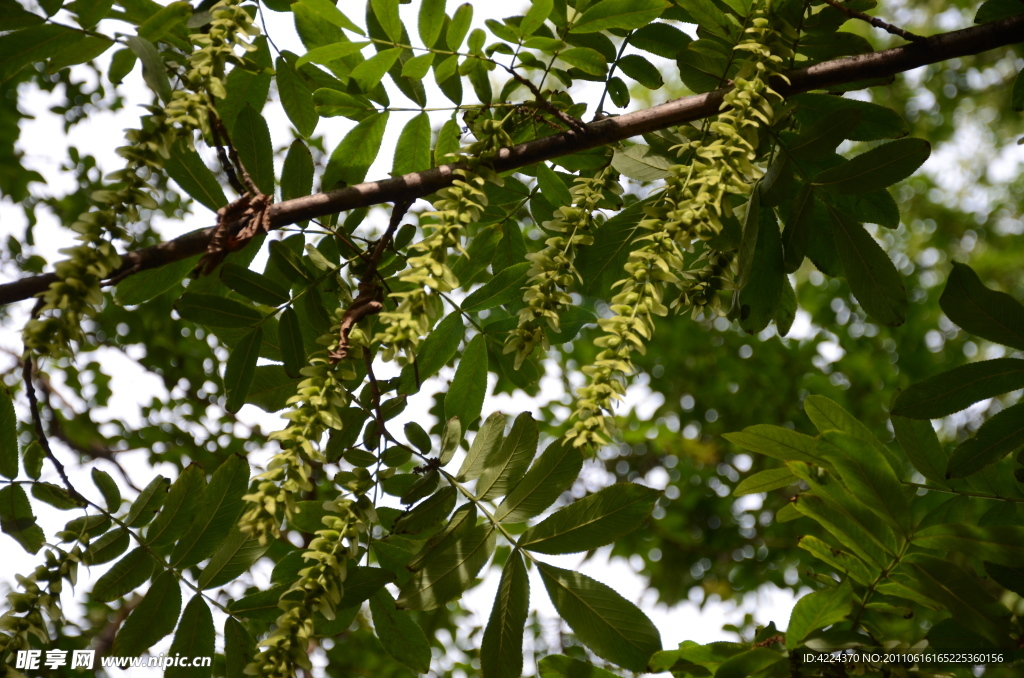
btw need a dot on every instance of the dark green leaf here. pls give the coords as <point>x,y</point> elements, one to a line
<point>369,73</point>
<point>874,170</point>
<point>260,604</point>
<point>37,43</point>
<point>257,287</point>
<point>216,311</point>
<point>16,518</point>
<point>153,70</point>
<point>251,138</point>
<point>641,70</point>
<point>179,507</point>
<point>330,103</point>
<point>873,278</point>
<point>486,443</point>
<point>427,514</point>
<point>450,439</point>
<point>8,436</point>
<point>765,481</point>
<point>293,350</point>
<point>239,648</point>
<point>535,17</point>
<point>817,610</point>
<point>189,171</point>
<point>1002,544</point>
<point>56,496</point>
<point>412,152</point>
<point>958,389</point>
<point>297,173</point>
<point>296,98</point>
<point>401,637</point>
<point>148,502</point>
<point>626,14</point>
<point>997,437</point>
<point>462,18</point>
<point>600,265</point>
<point>501,651</point>
<point>446,573</point>
<point>611,626</point>
<point>596,520</point>
<point>640,163</point>
<point>921,445</point>
<point>241,368</point>
<point>436,350</point>
<point>106,548</point>
<point>867,474</point>
<point>152,619</point>
<point>504,467</point>
<point>222,505</point>
<point>465,397</point>
<point>822,137</point>
<point>552,187</point>
<point>235,556</point>
<point>154,282</point>
<point>560,666</point>
<point>991,315</point>
<point>762,287</point>
<point>194,638</point>
<point>778,443</point>
<point>552,473</point>
<point>663,40</point>
<point>876,122</point>
<point>352,158</point>
<point>126,575</point>
<point>994,10</point>
<point>586,59</point>
<point>329,12</point>
<point>108,488</point>
<point>504,287</point>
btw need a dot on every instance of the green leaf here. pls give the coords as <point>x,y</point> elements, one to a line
<point>826,415</point>
<point>146,285</point>
<point>501,651</point>
<point>450,439</point>
<point>551,475</point>
<point>750,663</point>
<point>417,68</point>
<point>37,43</point>
<point>179,507</point>
<point>596,520</point>
<point>960,592</point>
<point>586,59</point>
<point>839,559</point>
<point>765,481</point>
<point>462,521</point>
<point>1002,544</point>
<point>1017,93</point>
<point>994,10</point>
<point>701,71</point>
<point>108,488</point>
<point>991,315</point>
<point>331,53</point>
<point>560,666</point>
<point>600,265</point>
<point>762,286</point>
<point>361,583</point>
<point>412,152</point>
<point>851,529</point>
<point>639,163</point>
<point>240,369</point>
<point>447,142</point>
<point>401,637</point>
<point>251,138</point>
<point>16,518</point>
<point>874,170</point>
<point>89,12</point>
<point>431,20</point>
<point>56,496</point>
<point>873,278</point>
<point>194,638</point>
<point>166,20</point>
<point>189,171</point>
<point>663,40</point>
<point>486,443</point>
<point>997,437</point>
<point>778,443</point>
<point>427,514</point>
<point>436,350</point>
<point>152,619</point>
<point>290,340</point>
<point>258,288</point>
<point>296,98</point>
<point>125,576</point>
<point>817,610</point>
<point>260,605</point>
<point>611,626</point>
<point>459,26</point>
<point>386,12</point>
<point>352,158</point>
<point>627,14</point>
<point>552,187</point>
<point>535,17</point>
<point>465,397</point>
<point>921,445</point>
<point>153,70</point>
<point>959,388</point>
<point>641,70</point>
<point>503,288</point>
<point>867,474</point>
<point>876,122</point>
<point>82,51</point>
<point>875,207</point>
<point>822,137</point>
<point>222,505</point>
<point>504,468</point>
<point>239,648</point>
<point>446,573</point>
<point>216,311</point>
<point>147,503</point>
<point>106,548</point>
<point>369,73</point>
<point>297,173</point>
<point>415,434</point>
<point>235,556</point>
<point>329,12</point>
<point>8,436</point>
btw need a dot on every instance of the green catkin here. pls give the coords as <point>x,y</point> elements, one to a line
<point>690,209</point>
<point>457,206</point>
<point>552,271</point>
<point>77,292</point>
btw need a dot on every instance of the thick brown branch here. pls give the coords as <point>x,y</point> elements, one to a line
<point>882,64</point>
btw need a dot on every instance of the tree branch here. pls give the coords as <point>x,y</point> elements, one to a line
<point>882,64</point>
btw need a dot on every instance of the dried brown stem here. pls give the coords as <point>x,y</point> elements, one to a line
<point>28,372</point>
<point>573,123</point>
<point>875,21</point>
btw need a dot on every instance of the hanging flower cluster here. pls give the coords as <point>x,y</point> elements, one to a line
<point>691,208</point>
<point>552,272</point>
<point>38,592</point>
<point>76,292</point>
<point>458,205</point>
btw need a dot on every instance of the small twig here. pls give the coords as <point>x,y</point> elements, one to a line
<point>575,124</point>
<point>368,300</point>
<point>875,21</point>
<point>37,419</point>
<point>215,128</point>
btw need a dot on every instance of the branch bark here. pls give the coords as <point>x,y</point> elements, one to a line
<point>871,66</point>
